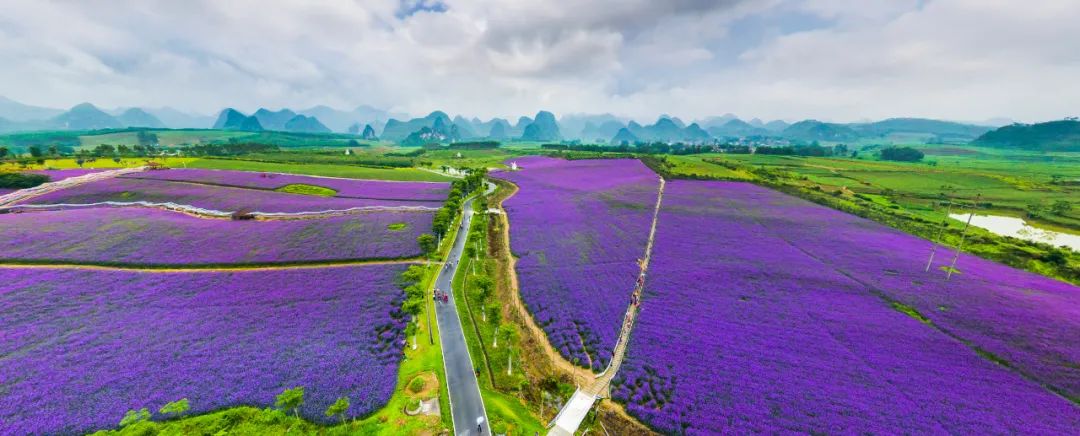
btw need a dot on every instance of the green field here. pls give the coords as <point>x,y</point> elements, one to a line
<point>1005,183</point>
<point>352,172</point>
<point>166,138</point>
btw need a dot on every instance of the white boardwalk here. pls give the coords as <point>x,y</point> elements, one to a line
<point>45,188</point>
<point>569,418</point>
<point>571,415</point>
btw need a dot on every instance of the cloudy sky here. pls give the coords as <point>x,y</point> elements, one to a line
<point>840,60</point>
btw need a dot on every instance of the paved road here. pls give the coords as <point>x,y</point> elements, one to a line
<point>465,403</point>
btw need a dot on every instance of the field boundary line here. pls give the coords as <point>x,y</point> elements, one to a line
<point>313,175</point>
<point>203,213</point>
<point>204,268</point>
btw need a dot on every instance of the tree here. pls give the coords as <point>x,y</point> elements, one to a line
<point>509,335</point>
<point>291,399</point>
<point>35,151</point>
<point>338,408</point>
<point>53,150</point>
<point>413,274</point>
<point>132,417</point>
<point>1034,210</point>
<point>1061,207</point>
<point>4,151</point>
<point>441,223</point>
<point>901,154</point>
<point>427,243</point>
<point>413,306</point>
<point>147,139</point>
<point>104,150</point>
<point>485,285</point>
<point>175,408</point>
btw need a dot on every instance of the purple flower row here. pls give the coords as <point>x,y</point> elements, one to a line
<point>221,198</point>
<point>81,347</point>
<point>372,189</point>
<point>58,175</point>
<point>579,228</point>
<point>152,236</point>
<point>742,331</point>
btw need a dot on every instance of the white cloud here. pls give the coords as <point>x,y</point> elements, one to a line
<point>827,59</point>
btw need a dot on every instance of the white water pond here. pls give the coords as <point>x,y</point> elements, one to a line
<point>1018,228</point>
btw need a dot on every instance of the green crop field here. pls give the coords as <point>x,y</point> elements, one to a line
<point>166,138</point>
<point>469,158</point>
<point>1001,183</point>
<point>347,171</point>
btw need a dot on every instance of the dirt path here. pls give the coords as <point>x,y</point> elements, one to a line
<point>215,268</point>
<point>531,329</point>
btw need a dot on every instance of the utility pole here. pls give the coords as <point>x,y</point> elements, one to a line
<point>963,235</point>
<point>941,231</point>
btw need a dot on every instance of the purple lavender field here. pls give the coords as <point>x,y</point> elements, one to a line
<point>58,175</point>
<point>741,331</point>
<point>370,189</point>
<point>1028,320</point>
<point>578,228</point>
<point>152,236</point>
<point>221,198</point>
<point>81,347</point>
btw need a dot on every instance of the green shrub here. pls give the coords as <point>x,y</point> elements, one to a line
<point>300,188</point>
<point>416,385</point>
<point>21,180</point>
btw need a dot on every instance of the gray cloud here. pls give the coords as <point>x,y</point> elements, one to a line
<point>829,59</point>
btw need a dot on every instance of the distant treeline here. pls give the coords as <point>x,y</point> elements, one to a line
<point>468,145</point>
<point>230,149</point>
<point>475,145</point>
<point>804,150</point>
<point>641,148</point>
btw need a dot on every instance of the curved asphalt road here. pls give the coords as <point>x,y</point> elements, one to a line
<point>466,406</point>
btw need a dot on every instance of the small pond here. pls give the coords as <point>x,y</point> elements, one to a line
<point>1018,228</point>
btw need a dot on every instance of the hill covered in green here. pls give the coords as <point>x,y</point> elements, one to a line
<point>1063,135</point>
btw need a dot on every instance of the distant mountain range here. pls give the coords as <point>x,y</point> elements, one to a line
<point>15,116</point>
<point>371,123</point>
